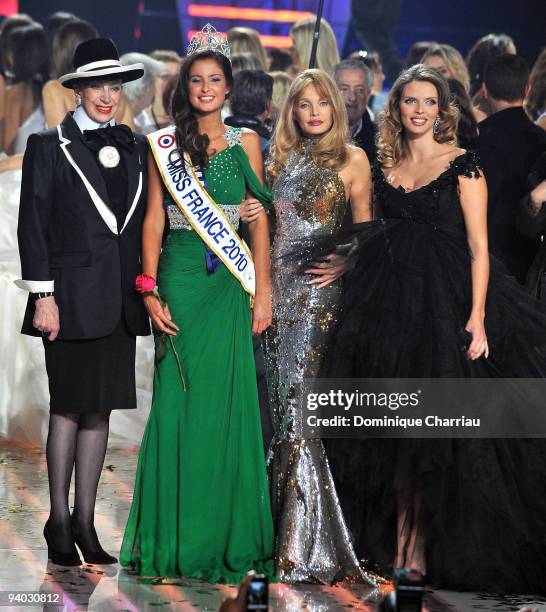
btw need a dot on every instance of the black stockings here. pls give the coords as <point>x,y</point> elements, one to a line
<point>78,439</point>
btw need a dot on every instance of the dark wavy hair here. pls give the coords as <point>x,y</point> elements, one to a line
<point>55,21</point>
<point>30,52</point>
<point>467,129</point>
<point>6,27</point>
<point>188,138</point>
<point>479,55</point>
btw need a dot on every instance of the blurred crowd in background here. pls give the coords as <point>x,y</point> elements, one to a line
<point>34,55</point>
<point>501,99</point>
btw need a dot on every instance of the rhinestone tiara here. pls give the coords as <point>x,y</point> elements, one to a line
<point>208,39</point>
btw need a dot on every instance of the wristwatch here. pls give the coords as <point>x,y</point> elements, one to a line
<point>41,294</point>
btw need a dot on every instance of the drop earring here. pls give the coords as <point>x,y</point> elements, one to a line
<point>436,127</point>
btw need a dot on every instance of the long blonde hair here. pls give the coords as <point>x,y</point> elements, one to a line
<point>301,34</point>
<point>330,150</point>
<point>391,142</point>
<point>247,40</point>
<point>281,85</point>
<point>453,60</point>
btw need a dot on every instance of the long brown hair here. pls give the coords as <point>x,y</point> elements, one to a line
<point>30,58</point>
<point>467,128</point>
<point>247,40</point>
<point>330,150</point>
<point>391,142</point>
<point>478,57</point>
<point>453,61</point>
<point>65,41</point>
<point>188,138</point>
<point>535,104</point>
<point>6,27</point>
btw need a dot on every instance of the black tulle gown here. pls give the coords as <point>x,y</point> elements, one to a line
<point>479,504</point>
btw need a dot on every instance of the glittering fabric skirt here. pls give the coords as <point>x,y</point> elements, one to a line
<point>478,504</point>
<point>201,504</point>
<point>312,541</point>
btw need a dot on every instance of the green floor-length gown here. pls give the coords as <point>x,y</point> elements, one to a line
<point>201,504</point>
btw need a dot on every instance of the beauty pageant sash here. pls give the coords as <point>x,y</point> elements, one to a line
<point>186,187</point>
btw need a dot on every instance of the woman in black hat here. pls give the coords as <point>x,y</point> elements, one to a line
<point>81,211</point>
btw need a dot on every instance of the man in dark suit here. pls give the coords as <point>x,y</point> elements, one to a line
<point>531,221</point>
<point>509,145</point>
<point>355,80</point>
<point>82,206</point>
<point>374,22</point>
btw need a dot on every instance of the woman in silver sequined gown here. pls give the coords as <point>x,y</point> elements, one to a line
<point>310,202</point>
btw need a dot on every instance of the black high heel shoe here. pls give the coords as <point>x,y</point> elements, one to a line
<point>60,558</point>
<point>98,556</point>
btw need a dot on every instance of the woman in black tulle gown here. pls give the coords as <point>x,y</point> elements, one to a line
<point>471,513</point>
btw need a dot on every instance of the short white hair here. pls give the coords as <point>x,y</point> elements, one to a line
<point>135,90</point>
<point>354,64</point>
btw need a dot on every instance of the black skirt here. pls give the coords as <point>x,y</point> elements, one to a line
<point>95,375</point>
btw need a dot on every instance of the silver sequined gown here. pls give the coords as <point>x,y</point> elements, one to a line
<point>313,543</point>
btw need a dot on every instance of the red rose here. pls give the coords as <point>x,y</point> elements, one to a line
<point>145,283</point>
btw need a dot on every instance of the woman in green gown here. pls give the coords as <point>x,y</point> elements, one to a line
<point>201,505</point>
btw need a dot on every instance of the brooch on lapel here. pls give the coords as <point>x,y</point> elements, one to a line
<point>109,156</point>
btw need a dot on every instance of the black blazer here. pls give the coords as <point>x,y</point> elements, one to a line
<point>365,137</point>
<point>533,224</point>
<point>68,234</point>
<point>509,145</point>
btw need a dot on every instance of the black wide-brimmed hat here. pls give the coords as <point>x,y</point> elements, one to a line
<point>98,58</point>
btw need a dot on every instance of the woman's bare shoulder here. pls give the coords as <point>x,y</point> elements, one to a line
<point>53,91</point>
<point>356,156</point>
<point>250,136</point>
<point>250,141</point>
<point>16,91</point>
<point>451,153</point>
<point>457,152</point>
<point>54,85</point>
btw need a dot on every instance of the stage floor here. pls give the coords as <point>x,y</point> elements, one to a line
<point>24,566</point>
